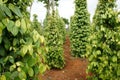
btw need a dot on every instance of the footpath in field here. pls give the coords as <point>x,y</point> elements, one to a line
<point>75,68</point>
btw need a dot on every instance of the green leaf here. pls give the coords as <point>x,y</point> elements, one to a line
<point>42,39</point>
<point>5,59</point>
<point>0,68</point>
<point>15,41</point>
<point>19,63</point>
<point>2,77</point>
<point>14,30</point>
<point>22,75</point>
<point>5,21</point>
<point>114,59</point>
<point>98,52</point>
<point>14,74</point>
<point>2,14</point>
<point>2,26</point>
<point>17,23</point>
<point>42,68</point>
<point>11,59</point>
<point>25,68</point>
<point>7,74</point>
<point>30,49</point>
<point>1,2</point>
<point>30,72</point>
<point>19,69</point>
<point>118,54</point>
<point>36,69</point>
<point>24,50</point>
<point>36,36</point>
<point>7,11</point>
<point>118,72</point>
<point>23,28</point>
<point>15,9</point>
<point>31,61</point>
<point>10,26</point>
<point>7,43</point>
<point>12,67</point>
<point>2,51</point>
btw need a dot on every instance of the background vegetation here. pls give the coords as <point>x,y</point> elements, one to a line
<point>28,48</point>
<point>79,28</point>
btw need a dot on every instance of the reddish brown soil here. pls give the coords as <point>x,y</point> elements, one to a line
<point>75,68</point>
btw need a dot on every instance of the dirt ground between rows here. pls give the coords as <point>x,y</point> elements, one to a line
<point>75,68</point>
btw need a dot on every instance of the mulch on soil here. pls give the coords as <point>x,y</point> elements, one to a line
<point>75,68</point>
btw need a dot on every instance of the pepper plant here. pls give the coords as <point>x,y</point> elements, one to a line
<point>21,54</point>
<point>104,49</point>
<point>61,25</point>
<point>79,29</point>
<point>54,42</point>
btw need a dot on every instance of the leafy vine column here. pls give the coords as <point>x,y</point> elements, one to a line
<point>79,28</point>
<point>21,54</point>
<point>104,49</point>
<point>54,36</point>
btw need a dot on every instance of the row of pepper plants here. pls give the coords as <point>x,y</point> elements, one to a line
<point>22,55</point>
<point>54,32</point>
<point>102,46</point>
<point>79,29</point>
<point>54,28</point>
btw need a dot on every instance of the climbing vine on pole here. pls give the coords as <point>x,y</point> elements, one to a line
<point>104,49</point>
<point>54,40</point>
<point>79,29</point>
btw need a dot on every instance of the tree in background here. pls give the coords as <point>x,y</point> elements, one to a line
<point>49,4</point>
<point>79,28</point>
<point>65,20</point>
<point>21,54</point>
<point>104,49</point>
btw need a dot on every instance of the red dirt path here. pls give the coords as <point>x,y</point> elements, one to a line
<point>75,68</point>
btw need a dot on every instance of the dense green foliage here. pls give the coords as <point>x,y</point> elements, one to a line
<point>62,29</point>
<point>61,25</point>
<point>23,51</point>
<point>79,29</point>
<point>104,49</point>
<point>21,54</point>
<point>37,25</point>
<point>65,21</point>
<point>54,42</point>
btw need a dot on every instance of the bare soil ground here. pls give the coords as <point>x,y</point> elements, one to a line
<point>75,68</point>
